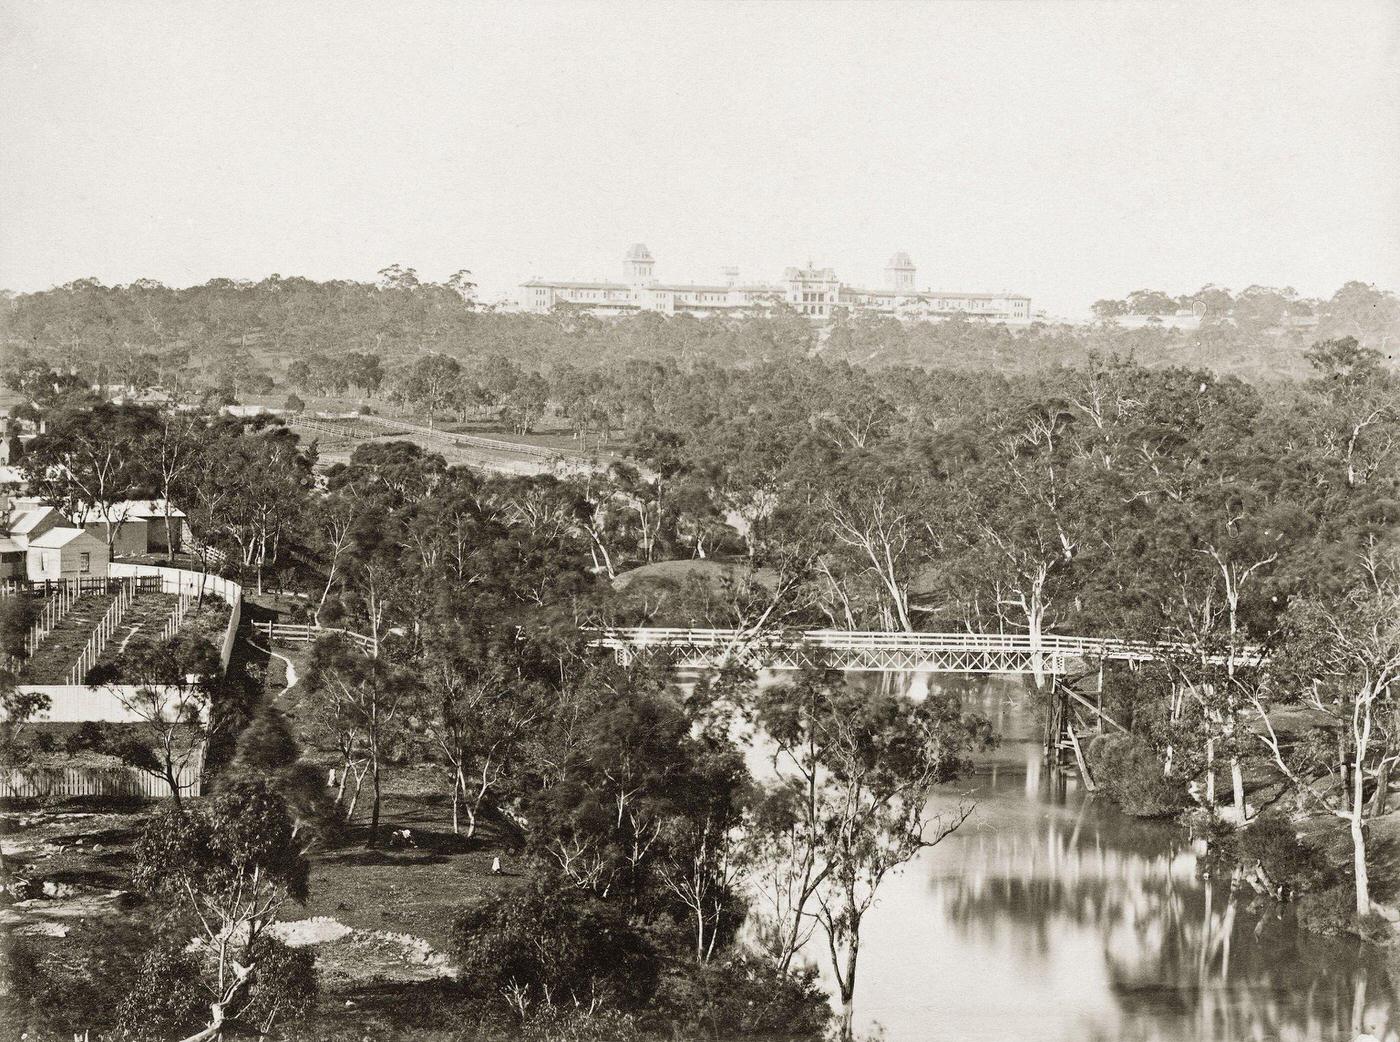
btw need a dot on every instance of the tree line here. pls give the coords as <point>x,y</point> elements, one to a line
<point>247,337</point>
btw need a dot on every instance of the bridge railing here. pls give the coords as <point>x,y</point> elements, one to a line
<point>640,638</point>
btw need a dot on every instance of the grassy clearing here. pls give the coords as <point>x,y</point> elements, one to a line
<point>416,890</point>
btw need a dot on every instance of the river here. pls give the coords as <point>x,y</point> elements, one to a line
<point>1052,917</point>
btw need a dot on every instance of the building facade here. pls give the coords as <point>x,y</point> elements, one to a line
<point>814,292</point>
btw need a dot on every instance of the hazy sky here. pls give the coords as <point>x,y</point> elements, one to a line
<point>1067,150</point>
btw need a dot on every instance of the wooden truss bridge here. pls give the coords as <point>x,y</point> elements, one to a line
<point>1073,666</point>
<point>883,652</point>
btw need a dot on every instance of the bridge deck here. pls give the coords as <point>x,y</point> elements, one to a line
<point>883,652</point>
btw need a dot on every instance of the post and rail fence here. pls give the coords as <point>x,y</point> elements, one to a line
<point>550,456</point>
<point>177,617</point>
<point>303,633</point>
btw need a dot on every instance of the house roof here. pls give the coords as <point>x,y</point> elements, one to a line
<point>57,537</point>
<point>125,510</point>
<point>150,509</point>
<point>25,520</point>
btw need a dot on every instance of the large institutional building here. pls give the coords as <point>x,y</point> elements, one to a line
<point>815,292</point>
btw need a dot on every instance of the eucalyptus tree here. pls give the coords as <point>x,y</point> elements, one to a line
<point>855,773</point>
<point>478,708</point>
<point>227,866</point>
<point>89,460</point>
<point>1343,661</point>
<point>364,700</point>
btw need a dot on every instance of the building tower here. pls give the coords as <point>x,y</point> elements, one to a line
<point>899,273</point>
<point>636,266</point>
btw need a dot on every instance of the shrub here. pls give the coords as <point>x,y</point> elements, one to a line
<point>90,736</point>
<point>548,946</point>
<point>67,986</point>
<point>166,998</point>
<point>1129,773</point>
<point>746,997</point>
<point>572,1024</point>
<point>1331,912</point>
<point>1271,841</point>
<point>285,986</point>
<point>17,615</point>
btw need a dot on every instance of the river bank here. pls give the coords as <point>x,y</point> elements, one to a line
<point>1052,915</point>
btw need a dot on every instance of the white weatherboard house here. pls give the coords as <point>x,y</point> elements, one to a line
<point>66,553</point>
<point>139,528</point>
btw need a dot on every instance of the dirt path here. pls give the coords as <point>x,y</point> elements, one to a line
<point>291,668</point>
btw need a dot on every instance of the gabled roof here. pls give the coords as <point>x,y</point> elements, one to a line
<point>57,537</point>
<point>148,508</point>
<point>24,521</point>
<point>124,511</point>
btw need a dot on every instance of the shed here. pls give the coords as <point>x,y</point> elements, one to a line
<point>130,535</point>
<point>154,512</point>
<point>11,560</point>
<point>66,553</point>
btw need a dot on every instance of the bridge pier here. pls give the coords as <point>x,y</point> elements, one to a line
<point>1063,748</point>
<point>1057,722</point>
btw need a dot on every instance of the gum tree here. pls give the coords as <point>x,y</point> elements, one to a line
<point>856,770</point>
<point>1344,660</point>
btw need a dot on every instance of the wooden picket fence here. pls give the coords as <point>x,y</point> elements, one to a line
<point>78,585</point>
<point>48,782</point>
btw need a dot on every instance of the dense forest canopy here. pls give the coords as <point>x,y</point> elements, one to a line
<point>246,336</point>
<point>770,488</point>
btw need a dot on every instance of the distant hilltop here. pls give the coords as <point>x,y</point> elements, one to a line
<point>815,292</point>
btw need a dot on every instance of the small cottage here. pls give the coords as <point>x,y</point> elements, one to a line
<point>66,553</point>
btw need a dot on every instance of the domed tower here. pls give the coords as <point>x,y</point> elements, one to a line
<point>636,266</point>
<point>899,273</point>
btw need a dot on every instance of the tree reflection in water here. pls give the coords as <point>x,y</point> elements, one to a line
<point>1057,917</point>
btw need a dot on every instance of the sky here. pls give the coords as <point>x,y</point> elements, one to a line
<point>1068,150</point>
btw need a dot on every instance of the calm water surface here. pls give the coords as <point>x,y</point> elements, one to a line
<point>1049,916</point>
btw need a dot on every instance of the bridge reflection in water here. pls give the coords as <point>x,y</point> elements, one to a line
<point>1052,917</point>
